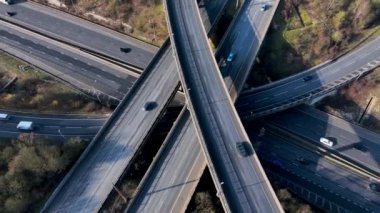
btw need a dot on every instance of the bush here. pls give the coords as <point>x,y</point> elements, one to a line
<point>33,167</point>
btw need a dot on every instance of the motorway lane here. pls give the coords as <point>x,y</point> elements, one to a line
<point>158,188</point>
<point>241,182</point>
<point>313,124</point>
<point>171,180</point>
<point>52,125</point>
<point>248,30</point>
<point>9,130</point>
<point>130,128</point>
<point>71,65</point>
<point>89,182</point>
<point>333,73</point>
<point>331,181</point>
<point>78,31</point>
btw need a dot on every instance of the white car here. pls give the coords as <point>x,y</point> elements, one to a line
<point>326,142</point>
<point>25,125</point>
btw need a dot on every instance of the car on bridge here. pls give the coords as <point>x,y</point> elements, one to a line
<point>307,78</point>
<point>149,105</point>
<point>244,148</point>
<point>263,7</point>
<point>231,57</point>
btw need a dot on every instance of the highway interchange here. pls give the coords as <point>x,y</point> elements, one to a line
<point>123,133</point>
<point>268,23</point>
<point>168,172</point>
<point>118,141</point>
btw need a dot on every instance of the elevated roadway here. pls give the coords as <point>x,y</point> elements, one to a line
<point>118,140</point>
<point>354,143</point>
<point>80,32</point>
<point>88,183</point>
<point>81,70</point>
<point>132,126</point>
<point>295,90</point>
<point>241,181</point>
<point>175,173</point>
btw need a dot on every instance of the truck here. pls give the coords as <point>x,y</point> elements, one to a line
<point>25,125</point>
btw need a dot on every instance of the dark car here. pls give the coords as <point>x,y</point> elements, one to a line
<point>275,162</point>
<point>149,106</point>
<point>11,13</point>
<point>307,78</point>
<point>302,160</point>
<point>374,187</point>
<point>263,7</point>
<point>244,148</point>
<point>125,49</point>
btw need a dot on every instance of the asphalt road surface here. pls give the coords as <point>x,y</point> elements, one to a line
<point>336,184</point>
<point>241,181</point>
<point>170,181</point>
<point>75,67</point>
<point>125,131</point>
<point>161,192</point>
<point>324,78</point>
<point>81,32</point>
<point>89,182</point>
<point>60,127</point>
<point>352,141</point>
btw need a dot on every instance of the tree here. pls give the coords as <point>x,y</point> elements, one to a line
<point>14,204</point>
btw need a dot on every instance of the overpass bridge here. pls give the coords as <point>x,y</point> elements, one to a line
<point>294,90</point>
<point>87,185</point>
<point>241,182</point>
<point>92,178</point>
<point>175,173</point>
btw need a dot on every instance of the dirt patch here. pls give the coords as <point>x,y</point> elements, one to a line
<point>143,19</point>
<point>37,91</point>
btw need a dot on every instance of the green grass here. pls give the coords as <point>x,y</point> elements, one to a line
<point>307,20</point>
<point>291,36</point>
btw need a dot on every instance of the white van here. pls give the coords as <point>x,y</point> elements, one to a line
<point>25,125</point>
<point>326,142</point>
<point>4,116</point>
<point>9,2</point>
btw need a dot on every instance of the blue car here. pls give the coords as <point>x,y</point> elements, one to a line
<point>230,57</point>
<point>276,162</point>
